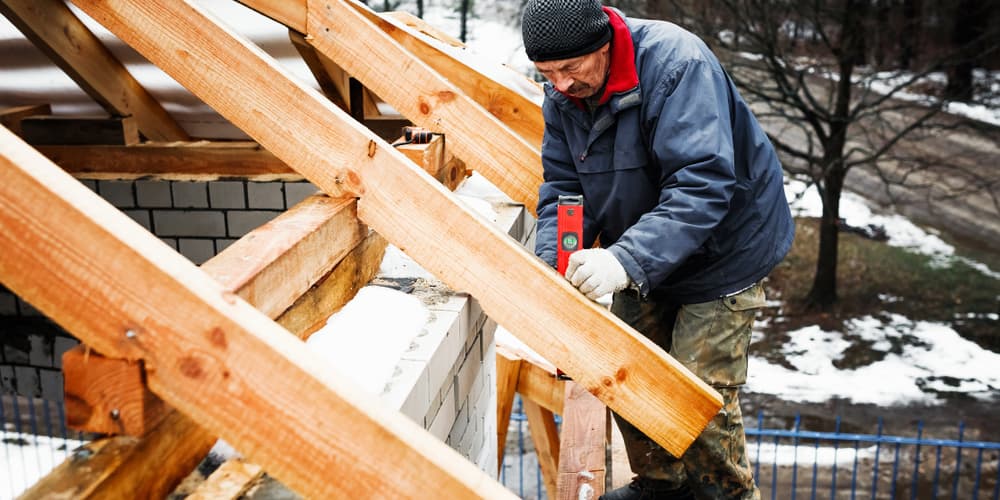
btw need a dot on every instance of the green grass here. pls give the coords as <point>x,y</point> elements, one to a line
<point>868,269</point>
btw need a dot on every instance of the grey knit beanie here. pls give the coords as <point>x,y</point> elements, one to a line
<point>563,29</point>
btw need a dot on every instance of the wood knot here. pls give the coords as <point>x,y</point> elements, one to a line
<point>217,338</point>
<point>621,375</point>
<point>372,149</point>
<point>191,367</point>
<point>446,96</point>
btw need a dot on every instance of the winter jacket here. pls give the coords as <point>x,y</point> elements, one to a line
<point>679,181</point>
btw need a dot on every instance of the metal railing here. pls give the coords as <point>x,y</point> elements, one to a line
<point>799,464</point>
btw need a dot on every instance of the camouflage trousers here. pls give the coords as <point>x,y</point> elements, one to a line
<point>711,340</point>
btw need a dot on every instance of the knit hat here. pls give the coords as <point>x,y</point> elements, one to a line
<point>563,29</point>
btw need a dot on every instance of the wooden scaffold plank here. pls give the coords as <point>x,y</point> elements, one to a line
<point>582,445</point>
<point>413,211</point>
<point>57,32</point>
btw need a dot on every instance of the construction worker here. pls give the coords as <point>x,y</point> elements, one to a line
<point>685,192</point>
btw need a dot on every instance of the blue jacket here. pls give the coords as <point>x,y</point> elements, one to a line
<point>679,181</point>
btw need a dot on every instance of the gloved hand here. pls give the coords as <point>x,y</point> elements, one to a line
<point>596,272</point>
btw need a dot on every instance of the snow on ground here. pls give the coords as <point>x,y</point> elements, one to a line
<point>919,360</point>
<point>25,458</point>
<point>786,454</point>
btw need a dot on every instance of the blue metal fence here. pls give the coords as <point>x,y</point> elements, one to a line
<point>788,463</point>
<point>797,463</point>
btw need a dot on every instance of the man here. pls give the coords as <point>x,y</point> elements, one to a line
<point>684,191</point>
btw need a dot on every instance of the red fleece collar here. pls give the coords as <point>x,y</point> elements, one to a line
<point>623,75</point>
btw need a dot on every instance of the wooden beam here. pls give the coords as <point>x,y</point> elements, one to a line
<point>425,97</point>
<point>230,481</point>
<point>582,445</point>
<point>619,469</point>
<point>422,26</point>
<point>11,117</point>
<point>152,467</point>
<point>436,161</point>
<point>521,114</point>
<point>291,13</point>
<point>332,81</point>
<point>57,32</point>
<point>539,383</point>
<point>545,437</point>
<point>189,161</point>
<point>311,311</point>
<point>444,236</point>
<point>108,396</point>
<point>508,367</point>
<point>207,352</point>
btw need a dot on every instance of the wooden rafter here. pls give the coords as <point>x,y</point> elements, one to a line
<point>420,94</point>
<point>194,161</point>
<point>582,445</point>
<point>151,467</point>
<point>508,368</point>
<point>545,437</point>
<point>207,352</point>
<point>55,30</point>
<point>521,114</point>
<point>413,211</point>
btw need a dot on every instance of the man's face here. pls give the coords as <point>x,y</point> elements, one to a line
<point>579,77</point>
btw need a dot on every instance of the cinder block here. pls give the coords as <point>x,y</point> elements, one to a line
<point>16,349</point>
<point>52,385</point>
<point>266,195</point>
<point>189,194</point>
<point>40,350</point>
<point>407,390</point>
<point>242,222</point>
<point>27,309</point>
<point>140,216</point>
<point>197,251</point>
<point>227,194</point>
<point>90,183</point>
<point>459,427</point>
<point>427,348</point>
<point>222,244</point>
<point>443,420</point>
<point>189,223</point>
<point>61,345</point>
<point>153,194</point>
<point>298,191</point>
<point>118,193</point>
<point>171,242</point>
<point>7,383</point>
<point>8,304</point>
<point>28,383</point>
<point>466,376</point>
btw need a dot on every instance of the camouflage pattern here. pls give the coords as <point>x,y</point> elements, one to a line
<point>710,339</point>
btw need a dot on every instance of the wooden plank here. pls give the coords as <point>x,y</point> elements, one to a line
<point>619,469</point>
<point>447,238</point>
<point>436,161</point>
<point>11,117</point>
<point>545,437</point>
<point>423,27</point>
<point>53,129</point>
<point>582,445</point>
<point>291,13</point>
<point>57,32</point>
<point>310,312</point>
<point>333,82</point>
<point>188,161</point>
<point>521,114</point>
<point>539,383</point>
<point>229,482</point>
<point>422,95</point>
<point>319,231</point>
<point>508,367</point>
<point>108,396</point>
<point>152,467</point>
<point>207,352</point>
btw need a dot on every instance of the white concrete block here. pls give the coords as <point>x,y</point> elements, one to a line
<point>442,421</point>
<point>407,390</point>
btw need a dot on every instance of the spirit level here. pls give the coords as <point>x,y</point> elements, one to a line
<point>569,229</point>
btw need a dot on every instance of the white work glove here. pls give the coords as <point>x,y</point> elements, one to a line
<point>596,272</point>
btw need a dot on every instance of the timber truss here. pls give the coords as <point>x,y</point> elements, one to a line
<point>216,351</point>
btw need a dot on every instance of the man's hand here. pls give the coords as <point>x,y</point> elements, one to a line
<point>596,272</point>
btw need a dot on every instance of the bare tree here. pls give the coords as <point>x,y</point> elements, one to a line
<point>804,66</point>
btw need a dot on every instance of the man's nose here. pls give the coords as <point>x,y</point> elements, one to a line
<point>562,82</point>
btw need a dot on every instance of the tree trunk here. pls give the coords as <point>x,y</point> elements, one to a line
<point>966,31</point>
<point>824,289</point>
<point>465,19</point>
<point>910,37</point>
